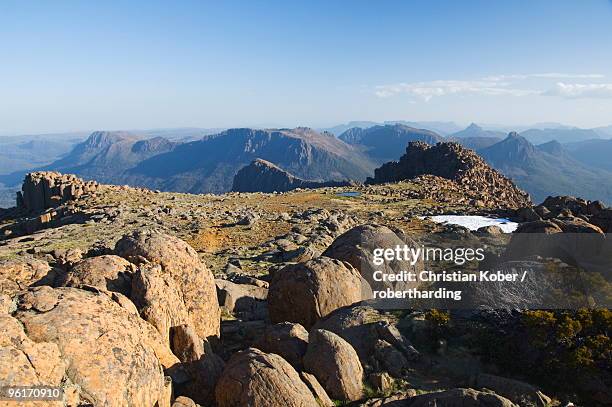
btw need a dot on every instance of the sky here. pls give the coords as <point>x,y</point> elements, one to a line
<point>82,65</point>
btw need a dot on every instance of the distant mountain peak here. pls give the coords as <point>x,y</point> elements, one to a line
<point>552,147</point>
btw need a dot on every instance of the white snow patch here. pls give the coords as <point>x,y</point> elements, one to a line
<point>474,222</point>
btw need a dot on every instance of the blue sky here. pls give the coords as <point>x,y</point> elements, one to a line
<point>79,65</point>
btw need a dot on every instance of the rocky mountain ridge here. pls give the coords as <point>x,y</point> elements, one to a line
<point>457,164</point>
<point>263,176</point>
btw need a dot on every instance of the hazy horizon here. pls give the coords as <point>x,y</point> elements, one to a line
<point>74,66</point>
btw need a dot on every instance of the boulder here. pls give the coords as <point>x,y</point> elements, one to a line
<point>363,327</point>
<point>317,390</point>
<point>527,214</point>
<point>108,272</point>
<point>200,364</point>
<point>257,379</point>
<point>183,401</point>
<point>194,281</point>
<point>335,364</point>
<point>246,301</point>
<point>519,392</point>
<point>159,300</point>
<point>305,292</point>
<point>19,274</point>
<point>24,362</point>
<point>286,339</point>
<point>603,219</point>
<point>113,357</point>
<point>453,398</point>
<point>357,246</point>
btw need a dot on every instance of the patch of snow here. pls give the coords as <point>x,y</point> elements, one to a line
<point>474,222</point>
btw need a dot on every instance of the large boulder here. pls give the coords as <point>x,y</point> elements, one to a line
<point>286,339</point>
<point>108,272</point>
<point>515,390</point>
<point>335,364</point>
<point>453,398</point>
<point>305,292</point>
<point>24,362</point>
<point>19,274</point>
<point>257,379</point>
<point>159,300</point>
<point>357,247</point>
<point>194,281</point>
<point>112,357</point>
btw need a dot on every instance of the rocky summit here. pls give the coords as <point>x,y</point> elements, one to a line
<point>460,165</point>
<point>123,296</point>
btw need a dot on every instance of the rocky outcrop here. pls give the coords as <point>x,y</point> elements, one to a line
<point>263,176</point>
<point>195,283</point>
<point>46,189</point>
<point>257,379</point>
<point>458,164</point>
<point>335,364</point>
<point>111,356</point>
<point>305,292</point>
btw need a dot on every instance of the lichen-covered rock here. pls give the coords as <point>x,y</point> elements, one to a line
<point>257,379</point>
<point>305,292</point>
<point>179,260</point>
<point>159,300</point>
<point>335,364</point>
<point>114,357</point>
<point>108,272</point>
<point>286,339</point>
<point>19,274</point>
<point>24,362</point>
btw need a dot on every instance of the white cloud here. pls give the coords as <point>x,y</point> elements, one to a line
<point>499,85</point>
<point>579,90</point>
<point>548,75</point>
<point>428,90</point>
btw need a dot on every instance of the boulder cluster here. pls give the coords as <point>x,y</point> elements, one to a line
<point>565,214</point>
<point>451,161</point>
<point>47,189</point>
<point>140,325</point>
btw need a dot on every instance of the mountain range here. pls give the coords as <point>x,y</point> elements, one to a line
<point>210,162</point>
